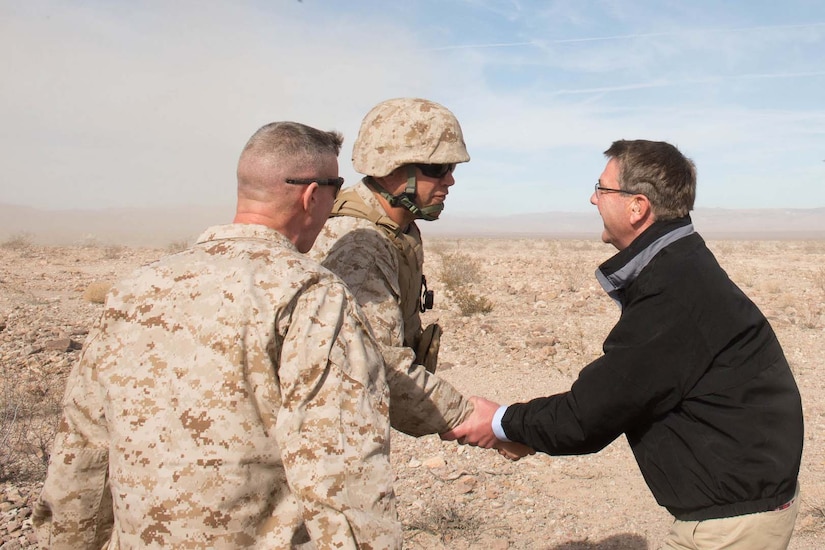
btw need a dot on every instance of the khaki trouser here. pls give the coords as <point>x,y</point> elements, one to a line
<point>764,531</point>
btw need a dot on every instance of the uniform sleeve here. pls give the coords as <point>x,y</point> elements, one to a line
<point>651,358</point>
<point>366,261</point>
<point>75,507</point>
<point>332,427</point>
<point>421,403</point>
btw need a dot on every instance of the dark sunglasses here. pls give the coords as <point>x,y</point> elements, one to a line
<point>335,182</point>
<point>436,170</point>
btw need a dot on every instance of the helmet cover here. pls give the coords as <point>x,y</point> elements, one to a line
<point>407,131</point>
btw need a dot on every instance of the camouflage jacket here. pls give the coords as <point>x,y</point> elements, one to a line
<point>231,396</point>
<point>370,262</point>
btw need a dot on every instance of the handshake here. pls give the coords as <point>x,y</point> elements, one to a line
<point>477,430</point>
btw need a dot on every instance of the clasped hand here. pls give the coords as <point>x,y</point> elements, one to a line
<point>477,430</point>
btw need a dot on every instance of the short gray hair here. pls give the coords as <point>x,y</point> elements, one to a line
<point>293,140</point>
<point>660,172</point>
<point>279,150</point>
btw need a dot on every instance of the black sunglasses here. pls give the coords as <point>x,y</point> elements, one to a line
<point>335,182</point>
<point>436,170</point>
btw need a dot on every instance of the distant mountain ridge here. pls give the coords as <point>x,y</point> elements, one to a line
<point>160,227</point>
<point>758,224</point>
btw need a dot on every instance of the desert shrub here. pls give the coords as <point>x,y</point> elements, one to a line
<point>113,252</point>
<point>771,286</point>
<point>814,247</point>
<point>469,303</point>
<point>445,522</point>
<point>811,315</point>
<point>819,278</point>
<point>177,246</point>
<point>438,247</point>
<point>18,241</point>
<point>96,292</point>
<point>582,246</point>
<point>89,241</point>
<point>459,272</point>
<point>28,423</point>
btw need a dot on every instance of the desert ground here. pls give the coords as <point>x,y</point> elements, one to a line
<point>521,318</point>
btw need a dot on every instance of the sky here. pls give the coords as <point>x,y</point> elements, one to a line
<point>112,104</point>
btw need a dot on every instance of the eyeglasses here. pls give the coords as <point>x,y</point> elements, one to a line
<point>436,170</point>
<point>334,182</point>
<point>598,187</point>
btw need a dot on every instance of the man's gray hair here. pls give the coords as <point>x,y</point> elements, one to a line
<point>293,140</point>
<point>660,172</point>
<point>281,150</point>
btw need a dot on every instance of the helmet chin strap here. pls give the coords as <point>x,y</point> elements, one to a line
<point>407,198</point>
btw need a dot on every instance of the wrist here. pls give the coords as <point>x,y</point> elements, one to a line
<point>498,430</point>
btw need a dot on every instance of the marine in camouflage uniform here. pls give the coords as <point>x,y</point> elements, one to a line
<point>231,395</point>
<point>408,149</point>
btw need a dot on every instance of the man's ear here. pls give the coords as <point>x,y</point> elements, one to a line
<point>640,209</point>
<point>308,196</point>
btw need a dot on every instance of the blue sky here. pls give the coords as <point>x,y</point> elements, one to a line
<point>143,104</point>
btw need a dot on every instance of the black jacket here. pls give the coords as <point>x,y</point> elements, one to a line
<point>694,376</point>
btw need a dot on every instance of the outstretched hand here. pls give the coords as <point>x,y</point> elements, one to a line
<point>477,430</point>
<point>513,451</point>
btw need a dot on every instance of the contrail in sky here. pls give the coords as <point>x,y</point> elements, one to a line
<point>623,37</point>
<point>683,82</point>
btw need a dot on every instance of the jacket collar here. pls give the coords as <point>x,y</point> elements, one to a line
<point>622,269</point>
<point>243,231</point>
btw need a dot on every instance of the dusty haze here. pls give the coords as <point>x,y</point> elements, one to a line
<point>160,227</point>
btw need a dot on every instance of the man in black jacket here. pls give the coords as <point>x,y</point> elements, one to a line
<point>692,373</point>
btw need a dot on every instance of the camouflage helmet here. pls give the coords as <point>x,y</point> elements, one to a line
<point>407,131</point>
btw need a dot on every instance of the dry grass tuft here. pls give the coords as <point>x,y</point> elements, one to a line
<point>445,522</point>
<point>459,273</point>
<point>113,252</point>
<point>96,292</point>
<point>177,246</point>
<point>28,423</point>
<point>18,241</point>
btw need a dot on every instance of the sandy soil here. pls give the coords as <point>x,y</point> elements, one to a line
<point>548,320</point>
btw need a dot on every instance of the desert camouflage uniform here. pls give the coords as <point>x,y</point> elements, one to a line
<point>375,266</point>
<point>230,397</point>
